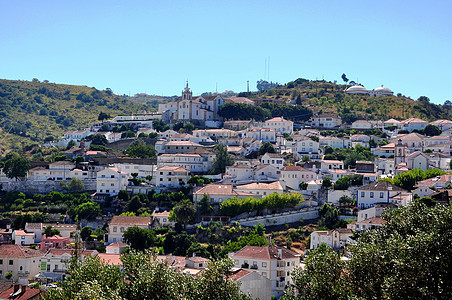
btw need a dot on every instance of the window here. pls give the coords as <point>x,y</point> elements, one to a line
<point>264,265</point>
<point>112,184</point>
<point>112,176</point>
<point>122,229</point>
<point>280,273</point>
<point>288,263</point>
<point>371,194</point>
<point>115,229</point>
<point>264,274</point>
<point>381,194</point>
<point>1,261</point>
<point>362,194</point>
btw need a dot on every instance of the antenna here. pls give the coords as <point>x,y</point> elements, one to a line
<point>247,86</point>
<point>265,72</point>
<point>216,87</point>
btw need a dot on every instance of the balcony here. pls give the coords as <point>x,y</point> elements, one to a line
<point>58,271</point>
<point>255,267</point>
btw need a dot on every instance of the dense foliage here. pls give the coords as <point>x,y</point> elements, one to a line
<point>235,206</point>
<point>349,155</point>
<point>408,180</point>
<point>408,258</point>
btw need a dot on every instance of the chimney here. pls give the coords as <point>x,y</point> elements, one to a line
<point>279,253</point>
<point>16,288</point>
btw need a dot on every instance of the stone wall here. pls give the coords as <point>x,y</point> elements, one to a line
<point>281,218</point>
<point>42,186</point>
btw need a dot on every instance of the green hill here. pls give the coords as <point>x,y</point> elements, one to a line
<point>323,96</point>
<point>30,111</point>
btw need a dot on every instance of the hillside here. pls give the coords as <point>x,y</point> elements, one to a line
<point>323,96</point>
<point>152,101</point>
<point>30,111</point>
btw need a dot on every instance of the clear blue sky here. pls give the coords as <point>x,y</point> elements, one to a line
<point>154,46</point>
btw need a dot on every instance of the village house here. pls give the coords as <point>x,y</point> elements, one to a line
<point>66,230</point>
<point>413,123</point>
<point>161,219</point>
<point>263,134</point>
<point>273,159</point>
<point>119,224</point>
<point>170,177</point>
<point>334,142</point>
<point>217,193</point>
<point>381,192</point>
<point>292,176</point>
<point>326,121</point>
<point>23,262</point>
<point>261,188</point>
<point>266,173</point>
<point>23,238</point>
<point>305,146</point>
<point>280,125</point>
<point>54,264</point>
<point>110,181</point>
<point>55,241</point>
<point>195,163</point>
<point>252,283</point>
<point>274,263</point>
<point>336,238</point>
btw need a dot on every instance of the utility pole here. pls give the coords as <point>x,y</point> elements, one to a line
<point>247,86</point>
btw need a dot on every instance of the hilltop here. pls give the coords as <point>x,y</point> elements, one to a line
<point>31,111</point>
<point>324,96</point>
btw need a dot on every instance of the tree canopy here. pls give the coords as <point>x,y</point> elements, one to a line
<point>222,159</point>
<point>16,167</point>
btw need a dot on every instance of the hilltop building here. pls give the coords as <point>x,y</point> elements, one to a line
<point>359,89</point>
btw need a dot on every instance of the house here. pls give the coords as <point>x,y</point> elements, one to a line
<point>21,292</point>
<point>263,134</point>
<point>326,120</point>
<point>305,146</point>
<point>217,193</point>
<point>23,238</point>
<point>273,159</point>
<point>274,263</point>
<point>327,165</point>
<point>143,169</point>
<point>23,262</point>
<point>161,219</point>
<point>252,283</point>
<point>279,125</point>
<point>170,177</point>
<point>414,141</point>
<point>55,241</point>
<point>239,172</point>
<point>66,230</point>
<point>110,181</point>
<point>334,142</point>
<point>266,173</point>
<point>293,175</point>
<point>391,123</point>
<point>379,192</point>
<point>336,238</point>
<point>55,262</point>
<point>442,124</point>
<point>261,188</point>
<point>119,224</point>
<point>195,163</point>
<point>238,125</point>
<point>362,125</point>
<point>116,248</point>
<point>371,223</point>
<point>181,147</point>
<point>413,123</point>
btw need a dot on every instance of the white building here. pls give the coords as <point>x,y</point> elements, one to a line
<point>293,175</point>
<point>119,224</point>
<point>336,238</point>
<point>217,193</point>
<point>54,263</point>
<point>110,181</point>
<point>274,263</point>
<point>195,163</point>
<point>66,230</point>
<point>380,192</point>
<point>280,125</point>
<point>23,262</point>
<point>170,177</point>
<point>261,188</point>
<point>273,159</point>
<point>23,238</point>
<point>326,121</point>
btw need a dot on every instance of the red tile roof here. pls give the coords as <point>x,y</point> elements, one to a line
<point>130,220</point>
<point>26,293</point>
<point>264,253</point>
<point>240,273</point>
<point>18,251</point>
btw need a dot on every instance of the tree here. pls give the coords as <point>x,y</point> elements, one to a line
<point>342,183</point>
<point>97,139</point>
<point>183,212</point>
<point>326,183</point>
<point>71,144</point>
<point>76,185</point>
<point>16,167</point>
<point>204,205</point>
<point>322,277</point>
<point>139,149</point>
<point>134,204</point>
<point>86,232</point>
<point>88,211</point>
<point>49,231</point>
<point>303,185</point>
<point>266,148</point>
<point>344,78</point>
<point>103,116</point>
<point>9,275</point>
<point>432,130</point>
<point>139,238</point>
<point>222,159</point>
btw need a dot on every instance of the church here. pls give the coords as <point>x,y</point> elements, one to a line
<point>197,110</point>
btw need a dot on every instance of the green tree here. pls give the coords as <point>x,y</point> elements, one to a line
<point>344,78</point>
<point>432,130</point>
<point>204,205</point>
<point>139,238</point>
<point>139,149</point>
<point>222,159</point>
<point>76,185</point>
<point>326,183</point>
<point>49,231</point>
<point>266,148</point>
<point>342,183</point>
<point>88,211</point>
<point>97,139</point>
<point>321,278</point>
<point>16,167</point>
<point>85,233</point>
<point>184,212</point>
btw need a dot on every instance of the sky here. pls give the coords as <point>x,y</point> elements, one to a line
<point>154,47</point>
